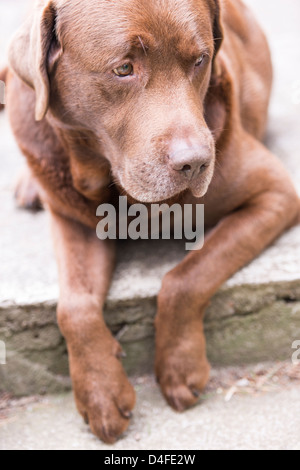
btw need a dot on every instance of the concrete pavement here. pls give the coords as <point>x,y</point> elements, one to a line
<point>265,421</point>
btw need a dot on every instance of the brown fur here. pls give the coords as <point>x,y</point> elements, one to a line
<point>82,129</point>
<point>3,74</point>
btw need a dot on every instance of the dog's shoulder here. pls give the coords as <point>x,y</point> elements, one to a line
<point>46,155</point>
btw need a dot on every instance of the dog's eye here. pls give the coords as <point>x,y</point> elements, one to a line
<point>124,71</point>
<point>200,60</point>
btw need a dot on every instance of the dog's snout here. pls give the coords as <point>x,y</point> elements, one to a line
<point>190,161</point>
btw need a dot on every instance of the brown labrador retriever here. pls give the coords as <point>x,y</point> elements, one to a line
<point>168,100</point>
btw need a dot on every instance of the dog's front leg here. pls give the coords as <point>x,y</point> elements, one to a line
<point>103,394</point>
<point>181,365</point>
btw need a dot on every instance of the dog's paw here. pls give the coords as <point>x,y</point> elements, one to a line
<point>182,371</point>
<point>105,398</point>
<point>26,192</point>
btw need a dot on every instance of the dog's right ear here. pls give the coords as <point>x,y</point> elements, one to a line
<point>34,49</point>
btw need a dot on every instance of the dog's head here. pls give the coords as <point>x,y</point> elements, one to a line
<point>134,73</point>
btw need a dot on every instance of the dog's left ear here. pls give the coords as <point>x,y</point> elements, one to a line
<point>217,26</point>
<point>34,50</point>
<point>218,34</point>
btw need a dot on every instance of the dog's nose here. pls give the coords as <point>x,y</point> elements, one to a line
<point>190,161</point>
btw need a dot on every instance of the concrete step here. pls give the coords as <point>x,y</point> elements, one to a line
<point>255,316</point>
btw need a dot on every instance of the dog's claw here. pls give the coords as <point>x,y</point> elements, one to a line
<point>127,414</point>
<point>121,355</point>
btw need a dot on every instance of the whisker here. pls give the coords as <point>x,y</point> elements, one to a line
<point>143,45</point>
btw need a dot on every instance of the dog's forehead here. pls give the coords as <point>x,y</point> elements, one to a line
<point>109,26</point>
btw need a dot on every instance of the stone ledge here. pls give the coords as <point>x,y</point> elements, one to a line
<point>244,324</point>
